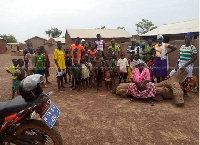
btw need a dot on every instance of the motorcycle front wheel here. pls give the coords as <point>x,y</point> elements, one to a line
<point>37,132</point>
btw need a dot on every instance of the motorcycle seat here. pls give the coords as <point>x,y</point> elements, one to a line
<point>12,106</point>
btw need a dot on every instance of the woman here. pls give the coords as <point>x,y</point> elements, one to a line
<point>161,62</point>
<point>187,56</point>
<point>141,87</point>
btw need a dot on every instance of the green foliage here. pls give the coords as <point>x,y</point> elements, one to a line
<point>145,26</point>
<point>9,38</point>
<point>102,27</point>
<point>121,28</point>
<point>53,32</point>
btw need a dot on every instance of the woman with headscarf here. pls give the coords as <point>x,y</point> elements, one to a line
<point>141,86</point>
<point>187,55</point>
<point>161,61</point>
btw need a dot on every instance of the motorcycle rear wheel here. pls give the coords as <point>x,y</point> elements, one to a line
<point>38,130</point>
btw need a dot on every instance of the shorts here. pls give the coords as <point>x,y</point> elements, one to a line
<point>62,73</point>
<point>98,75</point>
<point>41,72</point>
<point>123,76</point>
<point>77,81</point>
<point>16,87</point>
<point>14,82</point>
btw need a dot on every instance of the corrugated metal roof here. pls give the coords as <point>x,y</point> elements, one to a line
<point>60,39</point>
<point>175,28</point>
<point>105,33</point>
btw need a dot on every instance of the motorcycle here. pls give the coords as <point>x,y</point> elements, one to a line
<point>16,122</point>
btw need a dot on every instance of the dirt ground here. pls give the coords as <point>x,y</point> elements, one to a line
<point>104,119</point>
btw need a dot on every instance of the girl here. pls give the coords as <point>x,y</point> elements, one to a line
<point>84,72</point>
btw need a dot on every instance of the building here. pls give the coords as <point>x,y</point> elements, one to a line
<point>174,31</point>
<point>119,35</point>
<point>36,41</point>
<point>3,48</point>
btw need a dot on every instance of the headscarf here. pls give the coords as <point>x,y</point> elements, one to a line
<point>160,36</point>
<point>189,34</point>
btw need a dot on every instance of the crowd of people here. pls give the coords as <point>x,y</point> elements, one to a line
<point>86,65</point>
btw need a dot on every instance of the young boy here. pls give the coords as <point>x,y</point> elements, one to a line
<point>11,70</point>
<point>75,56</point>
<point>123,65</point>
<point>76,73</point>
<point>20,76</point>
<point>85,73</point>
<point>68,63</point>
<point>98,64</point>
<point>47,63</point>
<point>30,59</point>
<point>109,65</point>
<point>132,64</point>
<point>40,64</point>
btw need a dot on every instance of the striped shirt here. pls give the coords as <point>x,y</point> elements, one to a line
<point>187,52</point>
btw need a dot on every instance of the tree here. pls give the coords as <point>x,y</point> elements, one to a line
<point>121,28</point>
<point>145,26</point>
<point>53,32</point>
<point>102,27</point>
<point>9,38</point>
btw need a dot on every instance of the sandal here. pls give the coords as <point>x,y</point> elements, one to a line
<point>131,100</point>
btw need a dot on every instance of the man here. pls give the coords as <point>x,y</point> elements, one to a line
<point>60,66</point>
<point>114,47</point>
<point>133,49</point>
<point>100,44</point>
<point>80,50</point>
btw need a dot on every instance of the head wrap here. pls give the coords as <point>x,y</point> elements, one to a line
<point>160,36</point>
<point>82,40</point>
<point>189,34</point>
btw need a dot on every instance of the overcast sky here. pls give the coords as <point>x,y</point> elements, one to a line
<point>28,18</point>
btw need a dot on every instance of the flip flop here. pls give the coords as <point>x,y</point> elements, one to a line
<point>152,103</point>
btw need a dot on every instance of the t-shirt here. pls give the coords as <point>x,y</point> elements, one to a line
<point>130,51</point>
<point>100,44</point>
<point>39,61</point>
<point>186,52</point>
<point>80,49</point>
<point>76,71</point>
<point>47,63</point>
<point>122,63</point>
<point>159,49</point>
<point>116,48</point>
<point>12,69</point>
<point>148,56</point>
<point>60,57</point>
<point>92,53</point>
<point>31,61</point>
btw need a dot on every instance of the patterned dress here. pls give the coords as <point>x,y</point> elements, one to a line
<point>138,77</point>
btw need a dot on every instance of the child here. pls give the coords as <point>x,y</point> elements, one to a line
<point>133,64</point>
<point>11,70</point>
<point>68,63</point>
<point>30,59</point>
<point>21,75</point>
<point>91,68</point>
<point>76,73</point>
<point>47,63</point>
<point>92,51</point>
<point>98,64</point>
<point>115,69</point>
<point>40,64</point>
<point>122,64</point>
<point>75,56</point>
<point>109,65</point>
<point>84,72</point>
